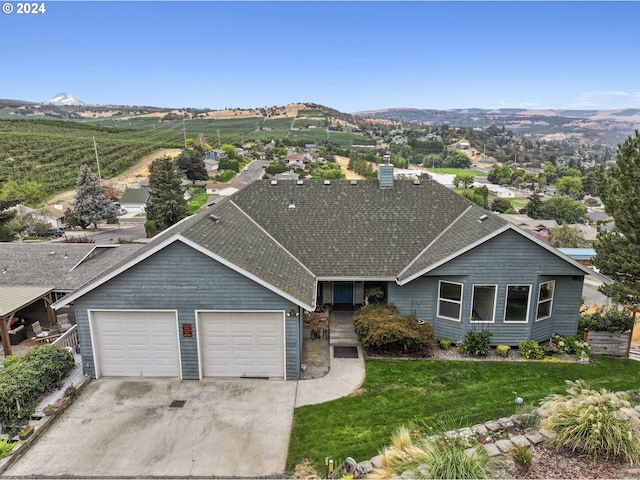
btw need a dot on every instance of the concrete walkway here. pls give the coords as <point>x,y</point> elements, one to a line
<point>345,374</point>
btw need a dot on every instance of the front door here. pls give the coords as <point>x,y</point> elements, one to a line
<point>343,292</point>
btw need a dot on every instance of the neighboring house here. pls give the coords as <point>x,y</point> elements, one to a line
<point>581,255</point>
<point>135,199</point>
<point>223,293</point>
<point>54,214</point>
<point>222,189</point>
<point>34,275</point>
<point>211,165</point>
<point>216,154</point>
<point>290,175</point>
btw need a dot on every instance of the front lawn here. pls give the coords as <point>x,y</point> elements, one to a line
<point>396,393</point>
<point>197,201</point>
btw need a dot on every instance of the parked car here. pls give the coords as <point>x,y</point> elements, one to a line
<point>52,232</point>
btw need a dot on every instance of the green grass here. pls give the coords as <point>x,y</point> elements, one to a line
<point>458,171</point>
<point>396,393</point>
<point>197,201</point>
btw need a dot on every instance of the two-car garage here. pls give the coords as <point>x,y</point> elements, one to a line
<point>146,343</point>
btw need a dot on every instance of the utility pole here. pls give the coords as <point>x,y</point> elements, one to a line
<point>95,147</point>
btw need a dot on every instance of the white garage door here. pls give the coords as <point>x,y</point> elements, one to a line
<point>241,344</point>
<point>136,343</point>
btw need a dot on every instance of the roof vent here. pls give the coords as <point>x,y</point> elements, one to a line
<point>292,204</point>
<point>327,183</point>
<point>300,182</point>
<point>214,219</point>
<point>274,183</point>
<point>482,218</point>
<point>353,182</point>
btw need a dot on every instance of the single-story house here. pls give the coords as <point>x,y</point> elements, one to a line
<point>222,189</point>
<point>223,292</point>
<point>290,175</point>
<point>135,199</point>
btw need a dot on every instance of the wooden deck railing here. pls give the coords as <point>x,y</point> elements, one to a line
<point>68,338</point>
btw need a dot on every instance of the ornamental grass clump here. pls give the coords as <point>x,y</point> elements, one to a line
<point>593,422</point>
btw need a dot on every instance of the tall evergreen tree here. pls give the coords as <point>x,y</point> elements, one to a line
<point>166,204</point>
<point>91,204</point>
<point>618,250</point>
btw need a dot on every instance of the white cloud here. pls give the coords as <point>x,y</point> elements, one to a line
<point>612,100</point>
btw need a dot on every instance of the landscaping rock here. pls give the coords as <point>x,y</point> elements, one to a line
<point>504,445</point>
<point>365,467</point>
<point>534,437</point>
<point>506,422</point>
<point>520,441</point>
<point>423,469</point>
<point>376,461</point>
<point>480,429</point>
<point>547,433</point>
<point>491,449</point>
<point>493,426</point>
<point>408,475</point>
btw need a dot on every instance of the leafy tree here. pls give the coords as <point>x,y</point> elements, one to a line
<point>191,162</point>
<point>464,179</point>
<point>476,198</point>
<point>570,186</point>
<point>567,237</point>
<point>534,207</point>
<point>563,210</point>
<point>230,150</point>
<point>618,251</point>
<point>26,222</point>
<point>91,204</point>
<point>229,164</point>
<point>6,214</point>
<point>166,204</point>
<point>28,192</point>
<point>500,205</point>
<point>499,175</point>
<point>276,167</point>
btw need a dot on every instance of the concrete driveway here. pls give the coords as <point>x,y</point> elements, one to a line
<point>126,428</point>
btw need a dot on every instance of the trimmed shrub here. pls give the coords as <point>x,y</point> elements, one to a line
<point>503,350</point>
<point>531,350</point>
<point>382,330</point>
<point>476,343</point>
<point>25,380</point>
<point>607,319</point>
<point>445,343</point>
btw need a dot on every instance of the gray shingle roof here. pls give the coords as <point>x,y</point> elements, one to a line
<point>291,234</point>
<point>360,230</point>
<point>53,263</point>
<point>135,195</point>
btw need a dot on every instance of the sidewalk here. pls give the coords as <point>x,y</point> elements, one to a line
<point>345,374</point>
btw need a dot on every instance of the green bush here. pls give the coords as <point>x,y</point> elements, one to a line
<point>572,345</point>
<point>476,343</point>
<point>591,421</point>
<point>607,319</point>
<point>531,350</point>
<point>25,380</point>
<point>503,350</point>
<point>6,447</point>
<point>382,330</point>
<point>445,343</point>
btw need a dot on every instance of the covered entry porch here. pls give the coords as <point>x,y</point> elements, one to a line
<point>351,292</point>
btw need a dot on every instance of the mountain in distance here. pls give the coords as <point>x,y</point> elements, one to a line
<point>609,127</point>
<point>64,99</point>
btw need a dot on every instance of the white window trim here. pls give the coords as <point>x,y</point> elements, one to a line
<point>440,282</point>
<point>553,294</point>
<point>506,298</point>
<point>495,300</point>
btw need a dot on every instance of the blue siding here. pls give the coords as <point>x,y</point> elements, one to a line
<point>508,259</point>
<point>183,279</point>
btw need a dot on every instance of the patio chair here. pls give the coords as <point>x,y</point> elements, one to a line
<point>37,329</point>
<point>63,322</point>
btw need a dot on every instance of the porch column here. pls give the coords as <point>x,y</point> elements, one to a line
<point>4,330</point>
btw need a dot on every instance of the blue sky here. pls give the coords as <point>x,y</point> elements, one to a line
<point>351,56</point>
